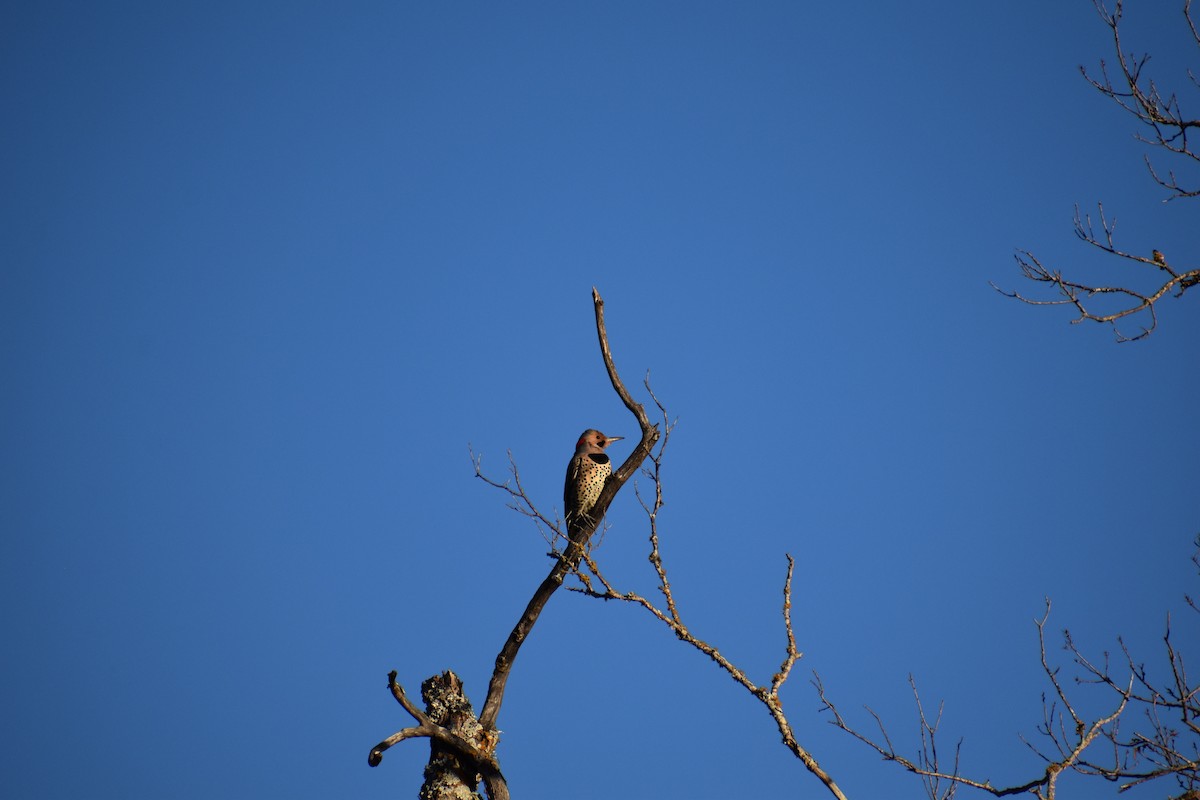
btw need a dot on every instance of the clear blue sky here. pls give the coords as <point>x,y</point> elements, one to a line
<point>268,268</point>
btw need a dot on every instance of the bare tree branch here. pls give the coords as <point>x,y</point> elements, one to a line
<point>768,695</point>
<point>1077,294</point>
<point>1169,130</point>
<point>1165,746</point>
<point>578,535</point>
<point>1141,97</point>
<point>464,757</point>
<point>1169,745</point>
<point>1070,741</point>
<point>551,530</point>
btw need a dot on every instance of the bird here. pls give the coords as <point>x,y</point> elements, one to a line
<point>587,471</point>
<point>1158,257</point>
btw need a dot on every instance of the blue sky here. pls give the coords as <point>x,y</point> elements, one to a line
<point>269,268</point>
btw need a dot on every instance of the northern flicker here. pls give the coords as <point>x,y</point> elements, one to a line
<point>586,473</point>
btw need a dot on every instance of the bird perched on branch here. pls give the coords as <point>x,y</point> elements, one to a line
<point>1158,257</point>
<point>587,471</point>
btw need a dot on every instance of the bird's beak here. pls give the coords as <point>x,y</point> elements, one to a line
<point>610,439</point>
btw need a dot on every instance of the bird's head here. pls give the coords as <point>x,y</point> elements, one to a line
<point>593,441</point>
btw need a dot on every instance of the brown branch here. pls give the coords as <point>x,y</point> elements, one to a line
<point>520,500</point>
<point>1080,295</point>
<point>426,728</point>
<point>791,654</point>
<point>1163,115</point>
<point>578,535</point>
<point>931,770</point>
<point>1164,750</point>
<point>1071,741</point>
<point>478,756</point>
<point>1142,99</point>
<point>656,457</point>
<point>767,695</point>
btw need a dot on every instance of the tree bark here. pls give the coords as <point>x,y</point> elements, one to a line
<point>447,775</point>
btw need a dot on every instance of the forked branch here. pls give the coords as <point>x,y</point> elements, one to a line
<point>1099,303</point>
<point>767,694</point>
<point>461,751</point>
<point>1072,736</point>
<point>577,537</point>
<point>1169,129</point>
<point>474,755</point>
<point>1162,115</point>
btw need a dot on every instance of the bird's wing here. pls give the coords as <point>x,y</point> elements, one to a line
<point>569,488</point>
